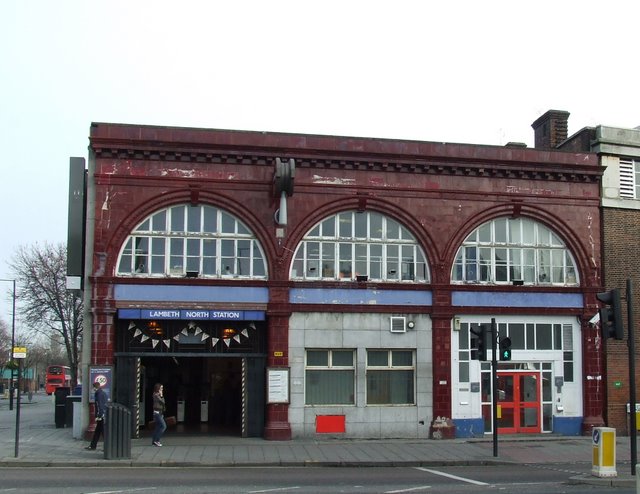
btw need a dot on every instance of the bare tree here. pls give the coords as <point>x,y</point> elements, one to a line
<point>5,349</point>
<point>46,307</point>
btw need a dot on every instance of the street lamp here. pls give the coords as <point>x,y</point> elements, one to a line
<point>13,340</point>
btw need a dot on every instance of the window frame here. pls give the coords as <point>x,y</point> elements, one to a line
<point>330,367</point>
<point>182,238</point>
<point>352,245</point>
<point>370,369</point>
<point>506,251</point>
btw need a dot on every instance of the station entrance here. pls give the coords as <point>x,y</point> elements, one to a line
<point>213,374</point>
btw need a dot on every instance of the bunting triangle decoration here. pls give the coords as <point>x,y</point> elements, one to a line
<point>191,329</point>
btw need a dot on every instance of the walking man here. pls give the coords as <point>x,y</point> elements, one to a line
<point>100,409</point>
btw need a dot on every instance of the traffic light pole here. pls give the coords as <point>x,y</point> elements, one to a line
<point>632,379</point>
<point>494,378</point>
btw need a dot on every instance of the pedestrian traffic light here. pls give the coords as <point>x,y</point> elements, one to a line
<point>611,315</point>
<point>505,348</point>
<point>480,342</point>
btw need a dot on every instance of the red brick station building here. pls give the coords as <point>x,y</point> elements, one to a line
<point>287,285</point>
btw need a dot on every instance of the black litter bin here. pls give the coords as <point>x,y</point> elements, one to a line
<point>117,432</point>
<point>68,413</point>
<point>60,400</point>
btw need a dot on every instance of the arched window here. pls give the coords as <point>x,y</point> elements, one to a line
<point>355,244</point>
<point>514,250</point>
<point>187,240</point>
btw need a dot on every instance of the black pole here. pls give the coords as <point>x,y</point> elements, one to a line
<point>494,377</point>
<point>632,379</point>
<point>18,409</point>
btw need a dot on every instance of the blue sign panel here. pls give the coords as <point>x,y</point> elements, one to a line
<point>193,314</point>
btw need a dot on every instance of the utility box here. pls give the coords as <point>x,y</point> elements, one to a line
<point>603,441</point>
<point>180,414</point>
<point>204,411</point>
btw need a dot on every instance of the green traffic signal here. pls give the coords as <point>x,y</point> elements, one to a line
<point>505,348</point>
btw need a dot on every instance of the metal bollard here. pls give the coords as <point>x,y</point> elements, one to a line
<point>117,432</point>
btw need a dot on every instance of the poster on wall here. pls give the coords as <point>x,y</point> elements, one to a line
<point>278,385</point>
<point>103,375</point>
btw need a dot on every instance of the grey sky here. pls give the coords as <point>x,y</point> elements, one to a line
<point>456,71</point>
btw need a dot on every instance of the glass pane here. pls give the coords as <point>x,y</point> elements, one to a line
<point>529,389</point>
<point>375,221</point>
<point>516,333</point>
<point>547,391</point>
<point>501,264</point>
<point>557,337</point>
<point>329,227</point>
<point>242,230</point>
<point>531,337</point>
<point>144,226</point>
<point>346,260</point>
<point>529,417</point>
<point>484,233</point>
<point>377,358</point>
<point>505,388</point>
<point>361,225</point>
<point>328,260</point>
<point>375,262</point>
<point>329,387</point>
<point>317,358</point>
<point>159,221</point>
<point>228,223</point>
<point>345,225</point>
<point>568,371</point>
<point>142,250</point>
<point>393,230</point>
<point>544,340</point>
<point>401,358</point>
<point>387,387</point>
<point>500,229</point>
<point>210,219</point>
<point>515,234</point>
<point>547,418</point>
<point>361,260</point>
<point>342,358</point>
<point>528,232</point>
<point>177,219</point>
<point>392,262</point>
<point>463,371</point>
<point>193,219</point>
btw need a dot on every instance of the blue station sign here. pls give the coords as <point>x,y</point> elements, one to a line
<point>193,314</point>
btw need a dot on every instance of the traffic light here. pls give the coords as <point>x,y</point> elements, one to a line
<point>505,348</point>
<point>481,342</point>
<point>611,314</point>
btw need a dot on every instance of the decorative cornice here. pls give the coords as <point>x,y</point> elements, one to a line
<point>430,166</point>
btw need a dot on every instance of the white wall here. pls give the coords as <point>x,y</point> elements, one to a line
<point>327,330</point>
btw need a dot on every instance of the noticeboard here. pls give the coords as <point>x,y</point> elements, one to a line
<point>103,375</point>
<point>278,385</point>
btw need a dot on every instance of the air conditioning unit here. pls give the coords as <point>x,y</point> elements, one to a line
<point>398,324</point>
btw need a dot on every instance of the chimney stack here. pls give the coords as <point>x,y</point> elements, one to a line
<point>551,129</point>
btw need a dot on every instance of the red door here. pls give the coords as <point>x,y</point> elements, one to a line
<point>519,402</point>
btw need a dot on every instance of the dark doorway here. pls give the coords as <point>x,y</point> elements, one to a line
<point>203,394</point>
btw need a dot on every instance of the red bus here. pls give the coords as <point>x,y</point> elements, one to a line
<point>57,376</point>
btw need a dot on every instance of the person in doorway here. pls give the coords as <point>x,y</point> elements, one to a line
<point>158,414</point>
<point>100,399</point>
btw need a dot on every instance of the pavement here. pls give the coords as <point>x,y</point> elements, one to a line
<point>41,444</point>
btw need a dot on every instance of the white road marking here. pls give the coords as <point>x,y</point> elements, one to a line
<point>422,487</point>
<point>281,489</point>
<point>126,490</point>
<point>454,477</point>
